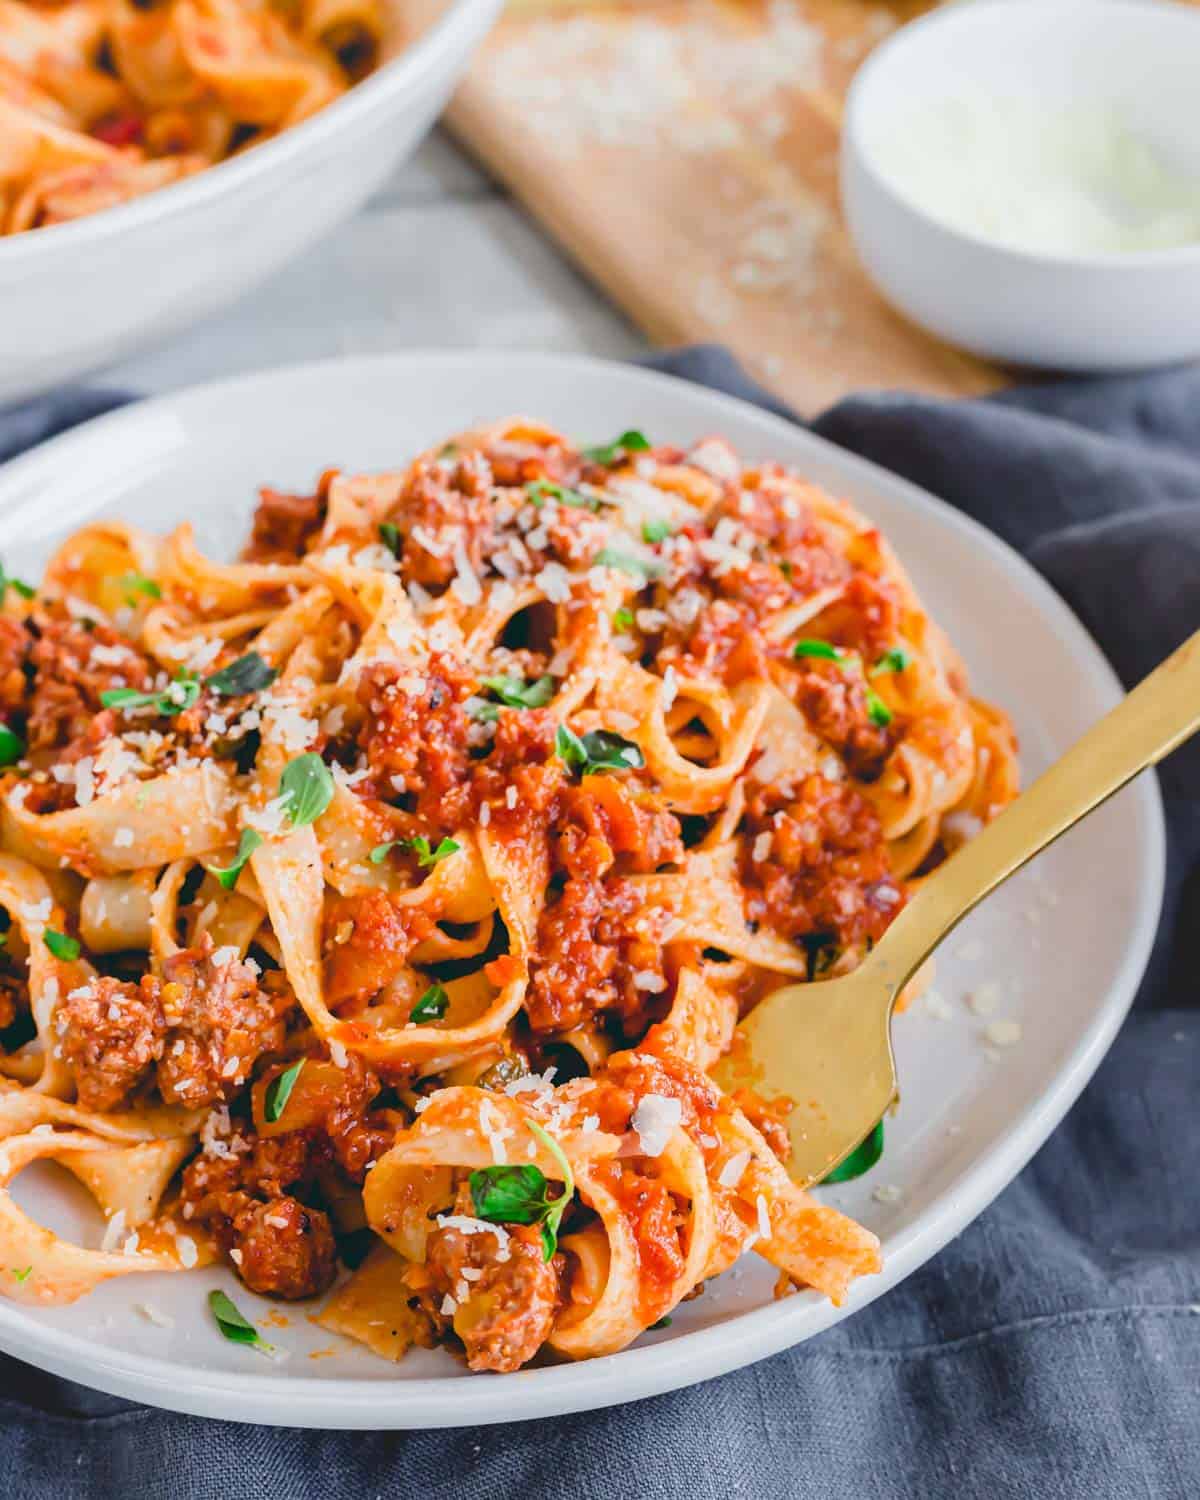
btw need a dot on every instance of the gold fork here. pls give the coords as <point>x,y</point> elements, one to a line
<point>827,1046</point>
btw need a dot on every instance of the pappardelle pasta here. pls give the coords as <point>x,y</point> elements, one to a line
<point>385,898</point>
<point>104,100</point>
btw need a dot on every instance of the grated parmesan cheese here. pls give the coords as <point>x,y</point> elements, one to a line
<point>734,1169</point>
<point>654,1121</point>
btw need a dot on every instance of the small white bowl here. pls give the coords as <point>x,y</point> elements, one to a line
<point>79,295</point>
<point>1103,311</point>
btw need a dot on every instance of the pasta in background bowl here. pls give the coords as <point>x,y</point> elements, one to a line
<point>100,103</point>
<point>236,134</point>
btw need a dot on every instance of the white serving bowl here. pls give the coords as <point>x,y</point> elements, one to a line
<point>1110,311</point>
<point>80,295</point>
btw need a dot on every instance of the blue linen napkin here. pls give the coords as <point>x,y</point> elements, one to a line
<point>1052,1351</point>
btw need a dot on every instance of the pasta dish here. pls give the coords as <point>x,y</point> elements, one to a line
<point>104,100</point>
<point>378,905</point>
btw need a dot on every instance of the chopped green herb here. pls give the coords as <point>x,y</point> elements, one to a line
<point>518,693</point>
<point>655,531</point>
<point>279,1091</point>
<point>662,1323</point>
<point>234,1326</point>
<point>817,648</point>
<point>503,1072</point>
<point>308,788</point>
<point>389,535</point>
<point>247,844</point>
<point>636,567</point>
<point>541,490</point>
<point>23,1275</point>
<point>598,750</point>
<point>623,619</point>
<point>632,441</point>
<point>174,698</point>
<point>419,846</point>
<point>134,584</point>
<point>60,944</point>
<point>8,582</point>
<point>516,1194</point>
<point>822,951</point>
<point>427,857</point>
<point>484,712</point>
<point>12,746</point>
<point>249,674</point>
<point>861,1159</point>
<point>431,1006</point>
<point>895,660</point>
<point>447,450</point>
<point>785,568</point>
<point>877,710</point>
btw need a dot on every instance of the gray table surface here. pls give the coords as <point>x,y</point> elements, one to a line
<point>441,257</point>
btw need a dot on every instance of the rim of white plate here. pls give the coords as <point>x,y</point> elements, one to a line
<point>695,1355</point>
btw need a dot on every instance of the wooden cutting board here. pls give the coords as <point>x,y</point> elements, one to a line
<point>684,152</point>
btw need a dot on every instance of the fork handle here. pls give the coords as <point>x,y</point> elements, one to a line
<point>1159,714</point>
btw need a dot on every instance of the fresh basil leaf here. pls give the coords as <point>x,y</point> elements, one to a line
<point>861,1159</point>
<point>247,844</point>
<point>279,1091</point>
<point>822,951</point>
<point>12,746</point>
<point>7,582</point>
<point>431,1006</point>
<point>569,747</point>
<point>877,710</point>
<point>636,567</point>
<point>559,1206</point>
<point>134,584</point>
<point>517,693</point>
<point>60,944</point>
<point>895,660</point>
<point>821,649</point>
<point>541,490</point>
<point>632,441</point>
<point>598,750</point>
<point>249,674</point>
<point>308,787</point>
<point>234,1326</point>
<point>174,698</point>
<point>607,751</point>
<point>427,857</point>
<point>622,619</point>
<point>510,1194</point>
<point>655,531</point>
<point>389,535</point>
<point>516,1194</point>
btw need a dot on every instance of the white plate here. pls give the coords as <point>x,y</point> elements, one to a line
<point>1065,942</point>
